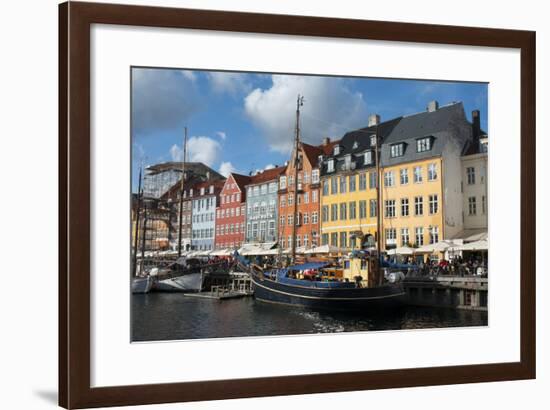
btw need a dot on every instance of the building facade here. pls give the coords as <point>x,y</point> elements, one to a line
<point>348,196</point>
<point>231,213</point>
<point>206,196</point>
<point>262,206</point>
<point>422,196</point>
<point>307,188</point>
<point>196,174</point>
<point>421,176</point>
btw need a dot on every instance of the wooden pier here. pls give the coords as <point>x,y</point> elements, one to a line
<point>460,292</point>
<point>233,289</point>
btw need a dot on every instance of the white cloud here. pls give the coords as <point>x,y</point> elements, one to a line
<point>161,99</point>
<point>330,109</point>
<point>199,149</point>
<point>226,168</point>
<point>190,75</point>
<point>221,134</point>
<point>231,83</point>
<point>269,166</point>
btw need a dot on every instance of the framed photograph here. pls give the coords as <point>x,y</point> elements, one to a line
<point>258,205</point>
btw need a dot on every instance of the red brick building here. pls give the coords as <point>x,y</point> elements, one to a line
<point>308,196</point>
<point>231,213</point>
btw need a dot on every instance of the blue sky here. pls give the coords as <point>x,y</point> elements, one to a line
<point>243,122</point>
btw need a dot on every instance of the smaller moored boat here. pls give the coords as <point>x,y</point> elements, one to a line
<point>142,284</point>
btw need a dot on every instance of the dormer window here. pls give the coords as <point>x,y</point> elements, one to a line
<point>355,145</point>
<point>347,161</point>
<point>424,144</point>
<point>330,165</point>
<point>336,149</point>
<point>211,189</point>
<point>368,157</point>
<point>397,150</point>
<point>202,191</point>
<point>373,140</point>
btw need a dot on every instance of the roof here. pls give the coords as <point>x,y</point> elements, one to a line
<point>266,175</point>
<point>190,167</point>
<point>446,125</point>
<point>241,180</point>
<point>312,152</point>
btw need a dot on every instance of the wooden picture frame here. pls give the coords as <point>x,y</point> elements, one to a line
<point>75,20</point>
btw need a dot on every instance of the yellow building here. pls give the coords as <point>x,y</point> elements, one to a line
<point>411,209</point>
<point>421,187</point>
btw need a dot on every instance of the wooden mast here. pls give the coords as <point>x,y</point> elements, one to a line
<point>299,103</point>
<point>136,231</point>
<point>182,187</point>
<point>379,207</point>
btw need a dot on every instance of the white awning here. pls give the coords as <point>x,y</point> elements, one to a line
<point>472,235</point>
<point>325,249</point>
<point>482,245</point>
<point>403,250</point>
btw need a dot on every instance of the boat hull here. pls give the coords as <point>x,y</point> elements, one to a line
<point>142,285</point>
<point>189,282</point>
<point>380,297</point>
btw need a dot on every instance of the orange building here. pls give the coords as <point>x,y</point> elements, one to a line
<point>307,186</point>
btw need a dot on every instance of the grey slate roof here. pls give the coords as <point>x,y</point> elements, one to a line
<point>446,125</point>
<point>447,128</point>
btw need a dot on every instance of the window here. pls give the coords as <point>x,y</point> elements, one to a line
<point>306,240</point>
<point>325,188</point>
<point>418,205</point>
<point>404,176</point>
<point>471,173</point>
<point>306,197</point>
<point>314,196</point>
<point>432,172</point>
<point>472,205</point>
<point>282,240</point>
<point>291,180</point>
<point>419,236</point>
<point>283,200</point>
<point>314,217</point>
<point>362,209</point>
<point>315,176</point>
<point>483,204</point>
<point>362,181</point>
<point>263,189</point>
<point>306,218</point>
<point>352,210</point>
<point>389,208</point>
<point>334,212</point>
<point>290,200</point>
<point>372,140</point>
<point>368,157</point>
<point>333,185</point>
<point>423,144</point>
<point>404,206</point>
<point>336,149</point>
<point>343,185</point>
<point>282,222</point>
<point>388,178</point>
<point>343,211</point>
<point>397,150</point>
<point>372,180</point>
<point>343,239</point>
<point>255,230</point>
<point>238,211</point>
<point>417,175</point>
<point>330,165</point>
<point>352,182</point>
<point>289,219</point>
<point>306,178</point>
<point>434,234</point>
<point>334,239</point>
<point>324,213</point>
<point>405,236</point>
<point>372,208</point>
<point>434,204</point>
<point>324,239</point>
<point>391,236</point>
<point>282,183</point>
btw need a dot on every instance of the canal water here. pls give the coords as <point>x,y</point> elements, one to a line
<point>173,316</point>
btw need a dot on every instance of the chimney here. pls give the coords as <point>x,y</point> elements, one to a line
<point>374,119</point>
<point>432,106</point>
<point>326,141</point>
<point>476,128</point>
